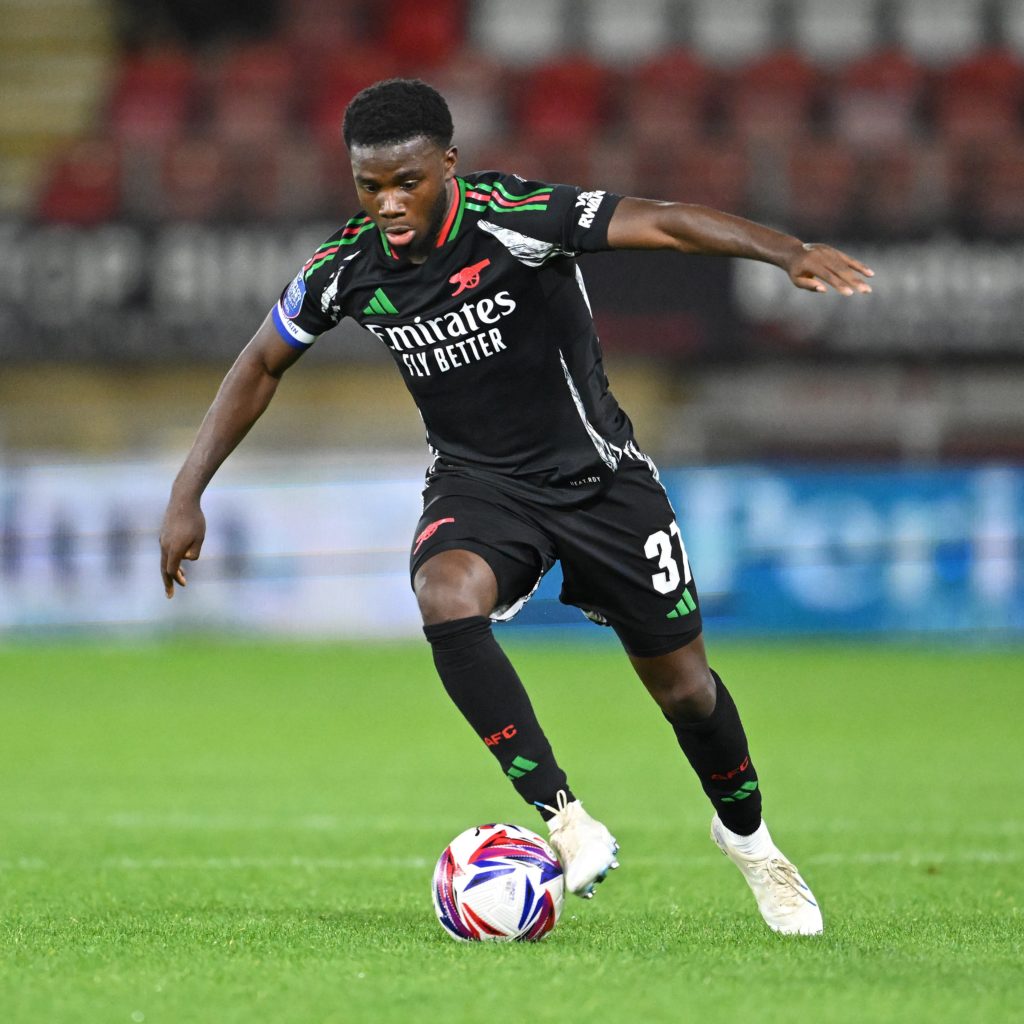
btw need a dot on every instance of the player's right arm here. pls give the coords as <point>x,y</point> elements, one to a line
<point>243,396</point>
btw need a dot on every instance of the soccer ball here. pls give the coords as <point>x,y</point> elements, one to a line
<point>496,883</point>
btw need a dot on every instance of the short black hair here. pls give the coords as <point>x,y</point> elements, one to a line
<point>397,110</point>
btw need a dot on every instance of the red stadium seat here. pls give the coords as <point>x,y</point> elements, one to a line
<point>84,185</point>
<point>543,159</point>
<point>196,180</point>
<point>252,94</point>
<point>565,101</point>
<point>902,190</point>
<point>151,100</point>
<point>980,99</point>
<point>316,31</point>
<point>711,173</point>
<point>772,99</point>
<point>424,35</point>
<point>667,98</point>
<point>332,87</point>
<point>877,100</point>
<point>472,84</point>
<point>822,187</point>
<point>991,183</point>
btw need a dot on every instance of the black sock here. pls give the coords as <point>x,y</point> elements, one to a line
<point>716,748</point>
<point>484,686</point>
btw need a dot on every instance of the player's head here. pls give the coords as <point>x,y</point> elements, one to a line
<point>399,139</point>
<point>397,110</point>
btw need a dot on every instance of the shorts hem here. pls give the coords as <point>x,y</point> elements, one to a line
<point>656,646</point>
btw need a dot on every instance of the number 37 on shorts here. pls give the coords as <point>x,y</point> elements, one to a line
<point>661,545</point>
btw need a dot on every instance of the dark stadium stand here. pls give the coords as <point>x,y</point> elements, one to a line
<point>925,97</point>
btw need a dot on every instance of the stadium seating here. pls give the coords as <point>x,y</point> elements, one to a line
<point>251,94</point>
<point>565,101</point>
<point>835,31</point>
<point>821,176</point>
<point>424,35</point>
<point>521,33</point>
<point>900,191</point>
<point>195,180</point>
<point>980,98</point>
<point>876,100</point>
<point>620,33</point>
<point>584,91</point>
<point>1011,25</point>
<point>712,173</point>
<point>939,31</point>
<point>336,84</point>
<point>991,182</point>
<point>152,96</point>
<point>730,32</point>
<point>668,98</point>
<point>772,98</point>
<point>84,185</point>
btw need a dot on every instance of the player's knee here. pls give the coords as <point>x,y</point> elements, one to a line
<point>688,696</point>
<point>450,586</point>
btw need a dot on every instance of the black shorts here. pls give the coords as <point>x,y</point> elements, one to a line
<point>623,560</point>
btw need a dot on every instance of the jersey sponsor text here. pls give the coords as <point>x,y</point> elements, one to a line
<point>590,201</point>
<point>455,339</point>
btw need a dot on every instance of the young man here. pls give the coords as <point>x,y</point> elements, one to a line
<point>471,284</point>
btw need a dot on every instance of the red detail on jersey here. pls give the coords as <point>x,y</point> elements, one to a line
<point>430,531</point>
<point>511,204</point>
<point>468,277</point>
<point>744,765</point>
<point>449,218</point>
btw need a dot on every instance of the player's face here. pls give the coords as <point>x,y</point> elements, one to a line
<point>405,188</point>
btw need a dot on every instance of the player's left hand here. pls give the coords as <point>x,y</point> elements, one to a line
<point>816,267</point>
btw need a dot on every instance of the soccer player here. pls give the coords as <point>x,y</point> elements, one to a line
<point>471,283</point>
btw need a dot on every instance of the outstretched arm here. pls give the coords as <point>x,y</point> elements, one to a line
<point>648,224</point>
<point>244,394</point>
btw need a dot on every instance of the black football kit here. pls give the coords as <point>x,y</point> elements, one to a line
<point>533,459</point>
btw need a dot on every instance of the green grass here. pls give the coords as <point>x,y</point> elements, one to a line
<point>233,832</point>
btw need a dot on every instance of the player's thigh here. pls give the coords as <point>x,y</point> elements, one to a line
<point>624,561</point>
<point>517,553</point>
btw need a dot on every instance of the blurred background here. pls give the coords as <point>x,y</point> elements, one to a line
<point>838,465</point>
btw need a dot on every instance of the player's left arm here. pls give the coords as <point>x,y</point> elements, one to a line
<point>649,224</point>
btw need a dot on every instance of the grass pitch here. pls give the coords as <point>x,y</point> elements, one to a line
<point>246,832</point>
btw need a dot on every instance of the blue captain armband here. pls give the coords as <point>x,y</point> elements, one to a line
<point>289,330</point>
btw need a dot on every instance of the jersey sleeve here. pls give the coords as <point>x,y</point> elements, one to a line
<point>566,218</point>
<point>311,304</point>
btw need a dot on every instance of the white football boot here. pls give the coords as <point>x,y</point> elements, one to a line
<point>783,897</point>
<point>585,848</point>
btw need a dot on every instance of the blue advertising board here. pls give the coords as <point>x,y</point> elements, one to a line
<point>774,550</point>
<point>846,550</point>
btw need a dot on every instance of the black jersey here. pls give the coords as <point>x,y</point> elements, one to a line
<point>493,333</point>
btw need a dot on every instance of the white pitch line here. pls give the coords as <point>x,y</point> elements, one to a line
<point>892,857</point>
<point>352,823</point>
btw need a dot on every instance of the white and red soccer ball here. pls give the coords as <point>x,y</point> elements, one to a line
<point>498,883</point>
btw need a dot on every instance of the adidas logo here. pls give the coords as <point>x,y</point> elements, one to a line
<point>380,305</point>
<point>519,767</point>
<point>684,607</point>
<point>742,793</point>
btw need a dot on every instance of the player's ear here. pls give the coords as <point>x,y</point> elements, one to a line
<point>451,158</point>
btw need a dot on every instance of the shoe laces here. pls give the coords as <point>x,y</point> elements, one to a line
<point>786,881</point>
<point>558,811</point>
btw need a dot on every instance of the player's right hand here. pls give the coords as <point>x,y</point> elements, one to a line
<point>181,536</point>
